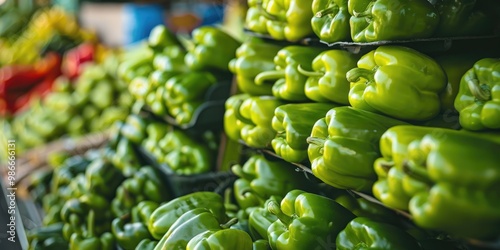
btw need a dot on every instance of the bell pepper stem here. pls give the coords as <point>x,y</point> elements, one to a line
<point>416,172</point>
<point>274,208</point>
<point>480,91</point>
<point>229,223</point>
<point>238,114</point>
<point>90,224</point>
<point>269,75</point>
<point>327,11</point>
<point>367,12</point>
<point>308,73</point>
<point>316,141</point>
<point>355,74</point>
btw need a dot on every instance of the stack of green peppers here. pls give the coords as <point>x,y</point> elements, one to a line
<point>428,171</point>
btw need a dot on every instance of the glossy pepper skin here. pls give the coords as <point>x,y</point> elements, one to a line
<point>464,173</point>
<point>330,21</point>
<point>378,20</point>
<point>305,220</point>
<point>344,144</point>
<point>288,19</point>
<point>213,49</point>
<point>327,82</point>
<point>134,128</point>
<point>361,207</point>
<point>463,18</point>
<point>397,81</point>
<point>393,187</point>
<point>184,92</point>
<point>365,233</point>
<point>266,178</point>
<point>289,83</point>
<point>252,57</point>
<point>293,124</point>
<point>224,239</point>
<point>128,230</point>
<point>184,155</point>
<point>254,20</point>
<point>89,239</point>
<point>478,98</point>
<point>165,215</point>
<point>125,157</point>
<point>146,244</point>
<point>161,37</point>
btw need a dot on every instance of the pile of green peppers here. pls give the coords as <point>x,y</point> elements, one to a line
<point>368,20</point>
<point>175,77</point>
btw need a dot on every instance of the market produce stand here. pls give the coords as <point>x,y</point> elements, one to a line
<point>326,125</point>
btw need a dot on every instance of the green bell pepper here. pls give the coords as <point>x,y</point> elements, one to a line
<point>344,145</point>
<point>293,124</point>
<point>47,237</point>
<point>213,49</point>
<point>146,244</point>
<point>171,59</point>
<point>373,20</point>
<point>288,20</point>
<point>327,81</point>
<point>90,240</point>
<point>253,118</point>
<point>188,225</point>
<point>184,155</point>
<point>188,87</point>
<point>331,20</point>
<point>224,239</point>
<point>260,219</point>
<point>305,220</point>
<point>252,57</point>
<point>266,178</point>
<point>397,81</point>
<point>261,245</point>
<point>289,83</point>
<point>365,233</point>
<point>455,66</point>
<point>146,184</point>
<point>243,195</point>
<point>254,20</point>
<point>463,18</point>
<point>125,157</point>
<point>232,125</point>
<point>165,215</point>
<point>134,128</point>
<point>463,172</point>
<point>478,98</point>
<point>103,178</point>
<point>145,209</point>
<point>129,231</point>
<point>161,37</point>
